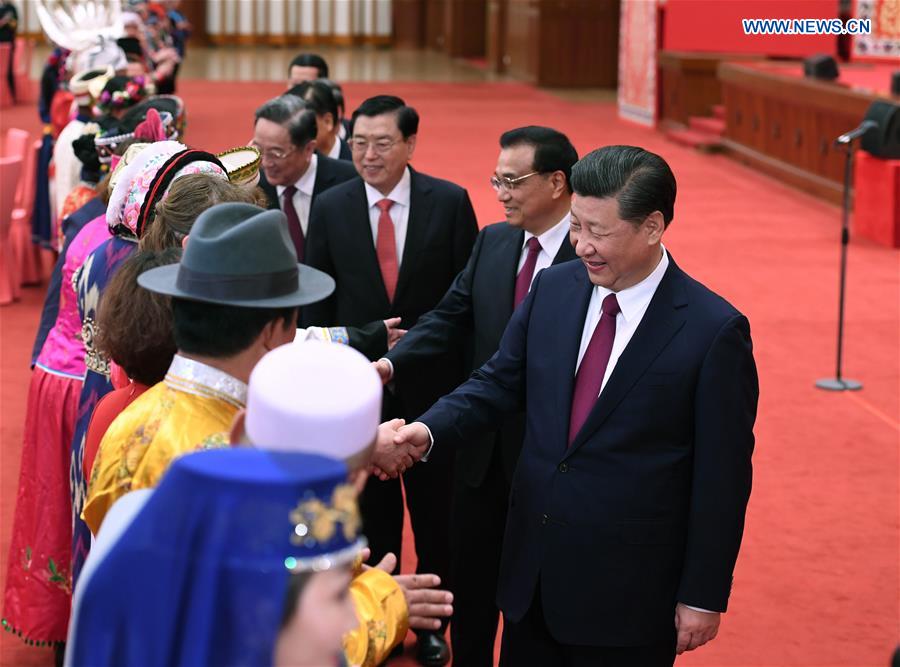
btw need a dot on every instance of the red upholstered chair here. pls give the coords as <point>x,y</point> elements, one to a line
<point>6,99</point>
<point>10,170</point>
<point>22,70</point>
<point>27,253</point>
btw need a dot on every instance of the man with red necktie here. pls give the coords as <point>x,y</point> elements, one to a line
<point>393,240</point>
<point>640,391</point>
<point>531,182</point>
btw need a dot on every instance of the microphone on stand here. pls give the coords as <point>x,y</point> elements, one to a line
<point>863,127</point>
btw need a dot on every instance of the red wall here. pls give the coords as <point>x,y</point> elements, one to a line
<point>715,25</point>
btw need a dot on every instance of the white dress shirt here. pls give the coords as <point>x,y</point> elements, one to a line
<point>399,211</point>
<point>633,302</point>
<point>303,196</point>
<point>335,152</point>
<point>550,242</point>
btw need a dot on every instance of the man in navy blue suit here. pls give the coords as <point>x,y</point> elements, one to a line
<point>627,506</point>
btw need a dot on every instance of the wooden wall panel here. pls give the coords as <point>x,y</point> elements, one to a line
<point>785,125</point>
<point>689,83</point>
<point>435,16</point>
<point>521,32</point>
<point>465,28</point>
<point>409,24</point>
<point>495,36</point>
<point>579,43</point>
<point>561,43</point>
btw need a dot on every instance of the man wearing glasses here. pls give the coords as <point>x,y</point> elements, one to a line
<point>532,185</point>
<point>292,174</point>
<point>394,239</point>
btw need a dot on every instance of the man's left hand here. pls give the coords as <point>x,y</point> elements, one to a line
<point>695,628</point>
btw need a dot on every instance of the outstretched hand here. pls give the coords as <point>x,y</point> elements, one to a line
<point>426,603</point>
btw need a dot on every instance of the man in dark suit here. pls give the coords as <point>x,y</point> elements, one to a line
<point>532,184</point>
<point>292,174</point>
<point>319,96</point>
<point>640,391</point>
<point>394,240</point>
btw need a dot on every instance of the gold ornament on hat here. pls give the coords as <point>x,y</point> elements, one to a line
<point>317,521</point>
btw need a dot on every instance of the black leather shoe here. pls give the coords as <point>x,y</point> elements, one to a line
<point>432,650</point>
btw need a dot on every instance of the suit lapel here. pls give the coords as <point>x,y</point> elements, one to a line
<point>420,204</point>
<point>570,315</point>
<point>662,320</point>
<point>507,254</point>
<point>324,178</point>
<point>565,253</point>
<point>358,242</point>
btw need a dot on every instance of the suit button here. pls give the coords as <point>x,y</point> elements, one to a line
<point>563,467</point>
<point>544,519</point>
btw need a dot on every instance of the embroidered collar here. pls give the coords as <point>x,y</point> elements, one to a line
<point>193,377</point>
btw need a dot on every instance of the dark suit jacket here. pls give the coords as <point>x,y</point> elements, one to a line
<point>475,309</point>
<point>439,238</point>
<point>328,174</point>
<point>646,508</point>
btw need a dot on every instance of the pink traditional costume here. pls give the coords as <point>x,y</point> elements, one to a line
<point>38,584</point>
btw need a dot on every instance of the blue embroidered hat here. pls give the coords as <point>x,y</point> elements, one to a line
<point>200,575</point>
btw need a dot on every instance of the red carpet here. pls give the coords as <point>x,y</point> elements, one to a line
<point>817,579</point>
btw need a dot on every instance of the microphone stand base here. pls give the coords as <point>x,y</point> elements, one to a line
<point>836,384</point>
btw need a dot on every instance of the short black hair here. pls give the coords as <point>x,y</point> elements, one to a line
<point>407,117</point>
<point>293,114</point>
<point>337,91</point>
<point>318,97</point>
<point>310,60</point>
<point>218,330</point>
<point>641,181</point>
<point>552,149</point>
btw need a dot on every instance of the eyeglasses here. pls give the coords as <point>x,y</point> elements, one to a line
<point>274,154</point>
<point>509,184</point>
<point>382,146</point>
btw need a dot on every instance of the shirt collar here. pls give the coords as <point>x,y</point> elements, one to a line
<point>552,239</point>
<point>193,377</point>
<point>399,195</point>
<point>635,299</point>
<point>335,151</point>
<point>307,182</point>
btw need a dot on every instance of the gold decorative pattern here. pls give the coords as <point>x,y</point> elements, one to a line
<point>316,521</point>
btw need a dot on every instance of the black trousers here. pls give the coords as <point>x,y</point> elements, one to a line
<point>428,488</point>
<point>11,75</point>
<point>529,642</point>
<point>479,519</point>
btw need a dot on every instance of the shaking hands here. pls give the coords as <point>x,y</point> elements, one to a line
<point>398,447</point>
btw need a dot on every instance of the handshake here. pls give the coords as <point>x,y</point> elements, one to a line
<point>398,446</point>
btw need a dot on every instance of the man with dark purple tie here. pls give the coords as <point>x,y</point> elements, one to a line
<point>531,182</point>
<point>640,391</point>
<point>292,173</point>
<point>394,240</point>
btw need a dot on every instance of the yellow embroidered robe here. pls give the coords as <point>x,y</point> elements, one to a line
<point>194,404</point>
<point>383,618</point>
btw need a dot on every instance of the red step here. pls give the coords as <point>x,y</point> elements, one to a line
<point>691,138</point>
<point>709,125</point>
<point>718,111</point>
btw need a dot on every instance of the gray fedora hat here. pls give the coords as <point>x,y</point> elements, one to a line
<point>240,255</point>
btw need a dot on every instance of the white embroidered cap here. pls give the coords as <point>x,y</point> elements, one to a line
<point>314,397</point>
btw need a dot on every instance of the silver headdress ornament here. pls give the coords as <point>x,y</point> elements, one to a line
<point>87,28</point>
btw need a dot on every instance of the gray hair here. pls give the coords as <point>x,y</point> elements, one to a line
<point>293,114</point>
